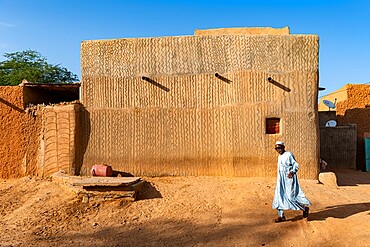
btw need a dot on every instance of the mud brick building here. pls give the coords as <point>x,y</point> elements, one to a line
<point>352,108</point>
<point>209,104</point>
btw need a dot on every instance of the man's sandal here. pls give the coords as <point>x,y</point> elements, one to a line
<point>280,219</point>
<point>305,212</point>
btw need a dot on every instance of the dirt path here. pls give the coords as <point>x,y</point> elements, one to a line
<point>186,211</point>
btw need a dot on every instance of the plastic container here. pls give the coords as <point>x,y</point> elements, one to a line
<point>101,170</point>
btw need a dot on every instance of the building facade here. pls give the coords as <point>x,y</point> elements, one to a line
<point>211,104</point>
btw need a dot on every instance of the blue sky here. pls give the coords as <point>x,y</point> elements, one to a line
<point>55,28</point>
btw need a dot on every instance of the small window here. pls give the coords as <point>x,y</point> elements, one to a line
<point>272,125</point>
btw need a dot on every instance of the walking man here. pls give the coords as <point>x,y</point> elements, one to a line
<point>288,192</point>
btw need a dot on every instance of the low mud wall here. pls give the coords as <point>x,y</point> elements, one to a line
<point>338,146</point>
<point>19,135</point>
<point>61,147</point>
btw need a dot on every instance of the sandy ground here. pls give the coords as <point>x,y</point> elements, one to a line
<point>186,211</point>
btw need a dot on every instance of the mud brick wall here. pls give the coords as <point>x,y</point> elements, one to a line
<point>325,116</point>
<point>335,97</point>
<point>244,31</point>
<point>338,146</point>
<point>355,110</point>
<point>19,135</point>
<point>155,106</point>
<point>59,141</point>
<point>358,96</point>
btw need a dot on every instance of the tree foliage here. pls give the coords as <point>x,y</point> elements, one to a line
<point>33,67</point>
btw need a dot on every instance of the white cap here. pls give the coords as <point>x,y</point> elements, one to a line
<point>279,143</point>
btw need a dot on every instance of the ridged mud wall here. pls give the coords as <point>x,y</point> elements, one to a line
<point>59,144</point>
<point>155,106</point>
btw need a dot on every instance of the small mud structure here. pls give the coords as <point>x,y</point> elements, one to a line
<point>97,189</point>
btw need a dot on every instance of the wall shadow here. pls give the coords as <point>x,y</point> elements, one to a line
<point>83,128</point>
<point>360,117</point>
<point>35,94</point>
<point>338,146</point>
<point>116,173</point>
<point>346,177</point>
<point>148,191</point>
<point>11,105</point>
<point>167,232</point>
<point>340,211</point>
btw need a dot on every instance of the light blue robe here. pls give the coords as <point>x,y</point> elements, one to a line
<point>288,192</point>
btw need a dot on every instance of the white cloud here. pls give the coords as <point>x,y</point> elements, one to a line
<point>5,24</point>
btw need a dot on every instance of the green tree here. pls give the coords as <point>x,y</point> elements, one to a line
<point>33,67</point>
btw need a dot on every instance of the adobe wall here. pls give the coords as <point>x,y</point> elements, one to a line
<point>338,146</point>
<point>155,106</point>
<point>325,116</point>
<point>244,31</point>
<point>358,96</point>
<point>355,110</point>
<point>59,144</point>
<point>19,135</point>
<point>335,97</point>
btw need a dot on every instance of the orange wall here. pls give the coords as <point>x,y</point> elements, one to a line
<point>18,135</point>
<point>354,110</point>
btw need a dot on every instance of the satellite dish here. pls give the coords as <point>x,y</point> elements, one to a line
<point>331,123</point>
<point>328,103</point>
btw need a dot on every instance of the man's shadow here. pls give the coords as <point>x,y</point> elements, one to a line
<point>337,211</point>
